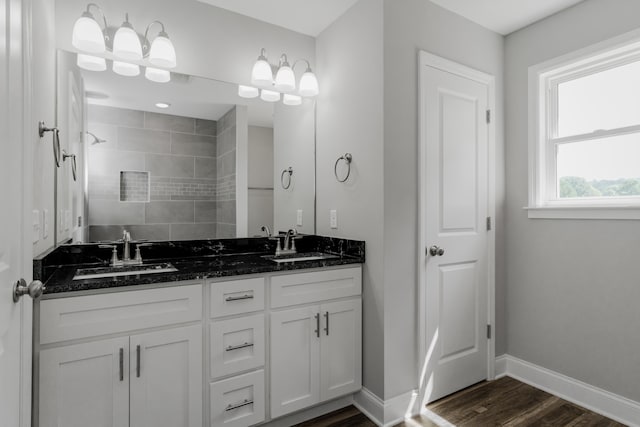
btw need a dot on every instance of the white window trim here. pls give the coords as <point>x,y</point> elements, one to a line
<point>542,178</point>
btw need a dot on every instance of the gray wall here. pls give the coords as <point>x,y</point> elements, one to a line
<point>410,26</point>
<point>572,300</point>
<point>350,117</point>
<point>189,179</point>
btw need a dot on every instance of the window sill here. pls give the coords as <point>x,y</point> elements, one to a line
<point>583,212</point>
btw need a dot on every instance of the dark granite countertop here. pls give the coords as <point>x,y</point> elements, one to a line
<point>197,265</point>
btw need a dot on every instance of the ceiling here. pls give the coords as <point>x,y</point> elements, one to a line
<point>309,17</point>
<point>505,16</point>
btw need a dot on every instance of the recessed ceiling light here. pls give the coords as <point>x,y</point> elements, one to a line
<point>163,105</point>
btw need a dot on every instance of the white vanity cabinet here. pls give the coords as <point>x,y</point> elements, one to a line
<point>140,379</point>
<point>316,346</point>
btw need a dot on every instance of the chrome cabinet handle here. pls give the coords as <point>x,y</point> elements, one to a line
<point>238,347</point>
<point>436,251</point>
<point>326,316</point>
<point>239,298</point>
<point>138,361</point>
<point>34,289</point>
<point>121,364</point>
<point>317,331</point>
<point>239,405</point>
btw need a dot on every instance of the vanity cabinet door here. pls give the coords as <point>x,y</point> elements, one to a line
<point>295,360</point>
<point>85,385</point>
<point>166,378</point>
<point>341,348</point>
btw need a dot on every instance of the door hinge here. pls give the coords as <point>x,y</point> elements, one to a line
<point>488,116</point>
<point>488,332</point>
<point>488,223</point>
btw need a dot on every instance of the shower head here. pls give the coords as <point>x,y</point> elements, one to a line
<point>96,140</point>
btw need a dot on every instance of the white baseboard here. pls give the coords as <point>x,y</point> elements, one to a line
<point>310,413</point>
<point>385,413</point>
<point>611,405</point>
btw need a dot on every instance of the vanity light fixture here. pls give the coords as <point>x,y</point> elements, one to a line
<point>125,45</point>
<point>270,89</point>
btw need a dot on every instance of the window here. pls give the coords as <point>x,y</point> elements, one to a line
<point>585,133</point>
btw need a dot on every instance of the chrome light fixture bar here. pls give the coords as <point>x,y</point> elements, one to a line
<point>125,44</point>
<point>271,89</point>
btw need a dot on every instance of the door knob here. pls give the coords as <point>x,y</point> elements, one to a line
<point>436,251</point>
<point>34,289</point>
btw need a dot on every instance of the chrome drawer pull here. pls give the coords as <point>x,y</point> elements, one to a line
<point>239,298</point>
<point>238,347</point>
<point>121,363</point>
<point>239,405</point>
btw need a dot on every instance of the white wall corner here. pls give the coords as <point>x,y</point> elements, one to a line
<point>387,413</point>
<point>593,398</point>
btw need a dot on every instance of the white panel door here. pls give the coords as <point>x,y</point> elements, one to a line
<point>85,385</point>
<point>166,378</point>
<point>295,359</point>
<point>455,144</point>
<point>341,348</point>
<point>16,196</point>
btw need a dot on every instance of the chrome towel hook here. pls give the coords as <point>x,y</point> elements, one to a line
<point>284,172</point>
<point>347,158</point>
<point>42,129</point>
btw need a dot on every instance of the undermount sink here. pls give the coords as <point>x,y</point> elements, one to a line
<point>127,270</point>
<point>304,256</point>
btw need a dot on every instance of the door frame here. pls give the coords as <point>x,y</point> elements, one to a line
<point>431,60</point>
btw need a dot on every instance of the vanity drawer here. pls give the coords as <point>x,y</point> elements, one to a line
<point>237,297</point>
<point>237,345</point>
<point>93,315</point>
<point>238,401</point>
<point>302,288</point>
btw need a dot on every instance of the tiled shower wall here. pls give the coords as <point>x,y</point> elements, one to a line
<point>187,190</point>
<point>226,174</point>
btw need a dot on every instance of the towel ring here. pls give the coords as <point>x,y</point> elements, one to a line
<point>347,158</point>
<point>284,172</point>
<point>42,128</point>
<point>74,167</point>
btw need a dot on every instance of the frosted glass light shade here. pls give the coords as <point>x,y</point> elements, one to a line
<point>125,69</point>
<point>87,35</point>
<point>91,63</point>
<point>289,99</point>
<point>308,84</point>
<point>285,79</point>
<point>248,91</point>
<point>126,43</point>
<point>162,52</point>
<point>269,95</point>
<point>261,75</point>
<point>157,75</point>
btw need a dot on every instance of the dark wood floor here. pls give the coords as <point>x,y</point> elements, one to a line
<point>504,402</point>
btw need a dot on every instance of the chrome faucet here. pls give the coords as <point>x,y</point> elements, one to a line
<point>126,252</point>
<point>266,229</point>
<point>289,246</point>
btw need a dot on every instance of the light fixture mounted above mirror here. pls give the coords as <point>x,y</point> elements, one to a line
<point>283,86</point>
<point>125,44</point>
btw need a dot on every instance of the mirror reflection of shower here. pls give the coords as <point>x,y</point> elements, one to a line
<point>96,140</point>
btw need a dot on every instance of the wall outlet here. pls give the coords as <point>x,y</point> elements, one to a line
<point>333,218</point>
<point>299,218</point>
<point>45,223</point>
<point>35,219</point>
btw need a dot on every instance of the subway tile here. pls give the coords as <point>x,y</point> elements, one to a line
<point>194,197</point>
<point>193,231</point>
<point>206,127</point>
<point>226,142</point>
<point>138,232</point>
<point>227,121</point>
<point>193,145</point>
<point>166,165</point>
<point>205,211</point>
<point>115,116</point>
<point>226,211</point>
<point>162,212</point>
<point>225,231</point>
<point>226,165</point>
<point>104,187</point>
<point>111,212</point>
<point>205,167</point>
<point>110,163</point>
<point>169,122</point>
<point>145,140</point>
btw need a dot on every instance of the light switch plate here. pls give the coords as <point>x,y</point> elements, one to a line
<point>333,218</point>
<point>299,218</point>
